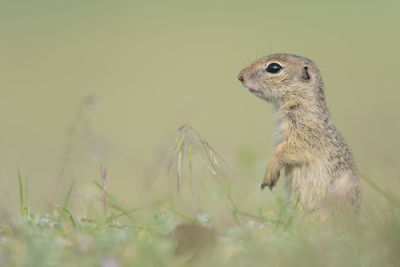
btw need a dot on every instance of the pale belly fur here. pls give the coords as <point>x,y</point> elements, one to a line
<point>308,185</point>
<point>311,187</point>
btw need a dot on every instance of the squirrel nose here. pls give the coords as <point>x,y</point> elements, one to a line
<point>240,77</point>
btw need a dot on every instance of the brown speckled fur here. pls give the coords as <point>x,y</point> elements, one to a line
<point>318,164</point>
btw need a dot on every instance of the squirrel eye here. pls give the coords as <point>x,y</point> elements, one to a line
<point>273,68</point>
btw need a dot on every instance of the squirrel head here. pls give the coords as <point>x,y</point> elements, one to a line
<point>283,76</point>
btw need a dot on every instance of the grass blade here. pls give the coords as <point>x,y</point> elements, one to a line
<point>68,195</point>
<point>174,211</point>
<point>116,216</point>
<point>116,204</point>
<point>71,218</point>
<point>385,193</point>
<point>205,147</point>
<point>190,159</point>
<point>179,163</point>
<point>180,142</point>
<point>207,163</point>
<point>21,192</point>
<point>28,210</point>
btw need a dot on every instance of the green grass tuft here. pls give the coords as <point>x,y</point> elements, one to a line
<point>209,220</point>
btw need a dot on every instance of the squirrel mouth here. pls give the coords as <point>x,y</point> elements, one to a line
<point>252,90</point>
<point>256,92</point>
<point>249,87</point>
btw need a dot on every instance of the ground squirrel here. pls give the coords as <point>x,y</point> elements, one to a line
<point>318,164</point>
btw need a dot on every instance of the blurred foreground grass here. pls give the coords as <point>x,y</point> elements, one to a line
<point>174,232</point>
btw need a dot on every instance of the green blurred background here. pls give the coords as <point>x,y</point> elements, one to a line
<point>86,84</point>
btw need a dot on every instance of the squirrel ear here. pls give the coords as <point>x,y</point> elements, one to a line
<point>304,74</point>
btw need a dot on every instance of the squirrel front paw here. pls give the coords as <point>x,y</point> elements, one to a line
<point>271,178</point>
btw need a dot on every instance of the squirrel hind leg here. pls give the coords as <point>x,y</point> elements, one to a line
<point>344,191</point>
